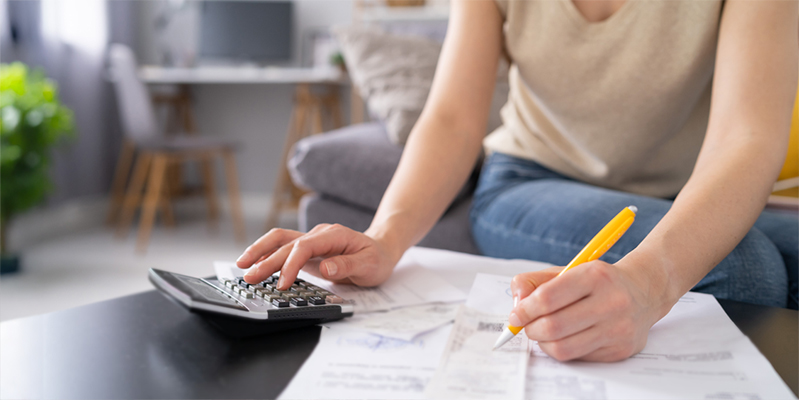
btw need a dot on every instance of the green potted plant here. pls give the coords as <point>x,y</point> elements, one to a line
<point>32,121</point>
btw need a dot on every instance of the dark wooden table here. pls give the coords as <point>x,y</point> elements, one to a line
<point>145,346</point>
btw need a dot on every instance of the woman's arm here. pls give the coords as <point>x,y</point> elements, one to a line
<point>441,152</point>
<point>605,311</point>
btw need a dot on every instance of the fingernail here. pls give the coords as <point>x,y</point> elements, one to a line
<point>515,300</point>
<point>280,281</point>
<point>332,268</point>
<point>514,320</point>
<point>251,272</point>
<point>241,257</point>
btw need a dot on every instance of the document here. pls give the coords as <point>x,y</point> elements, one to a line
<point>409,285</point>
<point>404,323</point>
<point>469,369</point>
<point>359,365</point>
<point>695,352</point>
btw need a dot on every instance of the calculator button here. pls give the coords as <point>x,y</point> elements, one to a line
<point>305,293</point>
<point>315,300</point>
<point>271,279</point>
<point>247,294</point>
<point>298,280</point>
<point>298,301</point>
<point>229,284</point>
<point>270,286</point>
<point>279,302</point>
<point>334,299</point>
<point>323,293</point>
<point>289,295</point>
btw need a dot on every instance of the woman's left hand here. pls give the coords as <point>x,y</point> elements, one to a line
<point>594,312</point>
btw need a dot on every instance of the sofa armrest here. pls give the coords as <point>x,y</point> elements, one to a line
<point>354,164</point>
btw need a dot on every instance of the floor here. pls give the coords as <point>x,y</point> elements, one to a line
<point>91,265</point>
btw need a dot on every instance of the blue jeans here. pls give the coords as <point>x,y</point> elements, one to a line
<point>523,210</point>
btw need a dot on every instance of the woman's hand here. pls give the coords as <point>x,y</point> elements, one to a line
<point>594,312</point>
<point>347,256</point>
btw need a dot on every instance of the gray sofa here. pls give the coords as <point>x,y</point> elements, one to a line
<point>349,169</point>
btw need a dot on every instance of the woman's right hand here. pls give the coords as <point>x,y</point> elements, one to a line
<point>347,255</point>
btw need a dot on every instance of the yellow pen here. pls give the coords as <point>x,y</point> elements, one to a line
<point>601,243</point>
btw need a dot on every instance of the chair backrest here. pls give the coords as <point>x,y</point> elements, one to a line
<point>135,106</point>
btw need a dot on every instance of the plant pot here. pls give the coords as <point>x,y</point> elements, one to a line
<point>9,264</point>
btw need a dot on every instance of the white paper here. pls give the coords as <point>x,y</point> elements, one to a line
<point>470,369</point>
<point>409,285</point>
<point>695,352</point>
<point>358,365</point>
<point>404,323</point>
<point>491,294</point>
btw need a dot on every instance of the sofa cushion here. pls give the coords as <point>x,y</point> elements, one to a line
<point>353,164</point>
<point>394,73</point>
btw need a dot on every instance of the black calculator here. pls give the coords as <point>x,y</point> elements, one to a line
<point>244,309</point>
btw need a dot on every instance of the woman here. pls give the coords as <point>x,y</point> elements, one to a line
<point>680,108</point>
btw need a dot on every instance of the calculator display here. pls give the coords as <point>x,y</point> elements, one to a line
<point>200,290</point>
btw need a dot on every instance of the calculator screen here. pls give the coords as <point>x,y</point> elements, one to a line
<point>207,293</point>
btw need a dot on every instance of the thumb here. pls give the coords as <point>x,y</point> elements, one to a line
<point>340,267</point>
<point>523,284</point>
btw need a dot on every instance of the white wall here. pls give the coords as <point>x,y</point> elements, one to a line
<point>256,116</point>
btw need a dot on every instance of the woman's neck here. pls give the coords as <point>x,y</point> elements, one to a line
<point>598,10</point>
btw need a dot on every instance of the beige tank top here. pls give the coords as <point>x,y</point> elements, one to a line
<point>621,103</point>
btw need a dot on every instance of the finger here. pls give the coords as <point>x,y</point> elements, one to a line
<point>551,296</point>
<point>523,284</point>
<point>267,243</point>
<point>270,265</point>
<point>333,241</point>
<point>565,322</point>
<point>360,268</point>
<point>574,346</point>
<point>612,353</point>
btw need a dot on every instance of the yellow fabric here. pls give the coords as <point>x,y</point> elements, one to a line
<point>791,167</point>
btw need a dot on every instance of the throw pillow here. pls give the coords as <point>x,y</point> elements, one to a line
<point>394,74</point>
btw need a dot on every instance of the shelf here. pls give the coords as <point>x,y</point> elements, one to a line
<point>422,13</point>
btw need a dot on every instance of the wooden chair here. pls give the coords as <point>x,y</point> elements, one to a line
<point>154,153</point>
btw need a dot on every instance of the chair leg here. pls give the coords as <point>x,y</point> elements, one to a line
<point>120,179</point>
<point>206,167</point>
<point>166,201</point>
<point>132,198</point>
<point>151,201</point>
<point>233,193</point>
<point>334,106</point>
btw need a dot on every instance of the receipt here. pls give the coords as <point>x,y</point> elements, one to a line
<point>469,369</point>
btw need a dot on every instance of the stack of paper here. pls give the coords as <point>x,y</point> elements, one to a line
<point>410,349</point>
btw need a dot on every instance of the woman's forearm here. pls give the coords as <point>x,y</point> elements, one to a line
<point>711,215</point>
<point>445,144</point>
<point>435,164</point>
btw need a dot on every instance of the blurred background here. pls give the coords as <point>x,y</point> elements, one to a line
<point>152,133</point>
